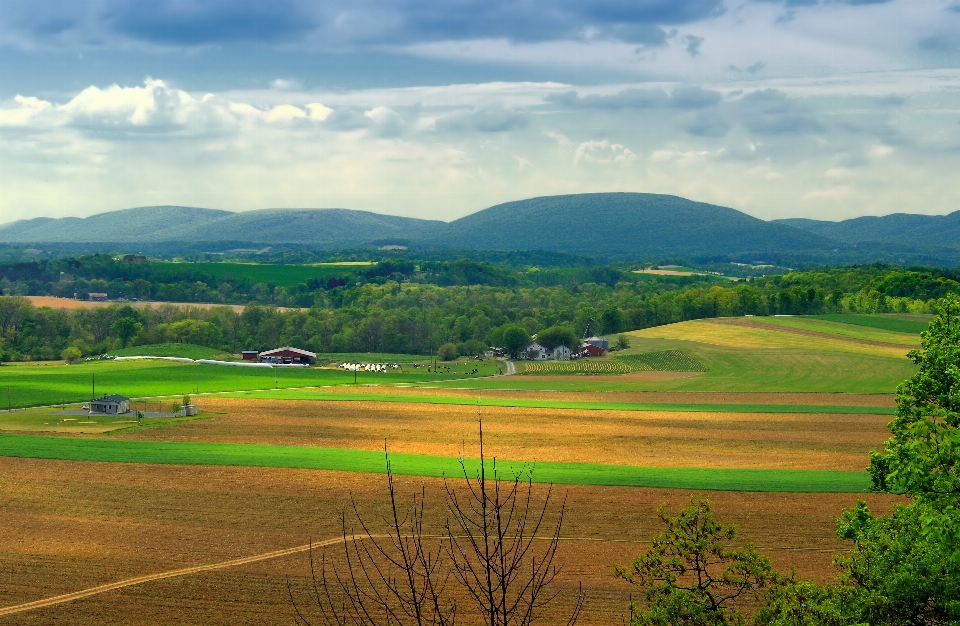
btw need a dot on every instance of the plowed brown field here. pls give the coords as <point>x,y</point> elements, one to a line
<point>648,438</point>
<point>70,525</point>
<point>676,397</point>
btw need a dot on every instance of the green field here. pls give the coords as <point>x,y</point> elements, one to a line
<point>52,420</point>
<point>183,350</point>
<point>914,324</point>
<point>337,396</point>
<point>183,453</point>
<point>280,275</point>
<point>850,331</point>
<point>662,361</point>
<point>24,385</point>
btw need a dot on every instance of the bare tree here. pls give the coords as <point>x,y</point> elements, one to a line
<point>490,551</point>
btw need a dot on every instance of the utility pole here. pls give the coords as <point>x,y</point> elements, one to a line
<point>197,372</point>
<point>8,399</point>
<point>93,389</point>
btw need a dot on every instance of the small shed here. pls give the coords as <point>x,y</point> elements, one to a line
<point>249,355</point>
<point>111,405</point>
<point>288,355</point>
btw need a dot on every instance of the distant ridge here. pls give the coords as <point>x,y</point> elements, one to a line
<point>630,225</point>
<point>623,223</point>
<point>898,228</point>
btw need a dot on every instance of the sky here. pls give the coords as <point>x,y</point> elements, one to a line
<point>826,109</point>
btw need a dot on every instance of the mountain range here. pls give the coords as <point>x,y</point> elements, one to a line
<point>602,224</point>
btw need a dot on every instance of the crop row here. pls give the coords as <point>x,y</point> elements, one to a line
<point>664,361</point>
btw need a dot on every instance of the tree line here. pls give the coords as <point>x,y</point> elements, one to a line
<point>393,316</point>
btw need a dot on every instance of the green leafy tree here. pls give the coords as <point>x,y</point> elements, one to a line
<point>623,342</point>
<point>71,354</point>
<point>922,458</point>
<point>558,336</point>
<point>447,352</point>
<point>515,338</point>
<point>905,568</point>
<point>126,328</point>
<point>691,577</point>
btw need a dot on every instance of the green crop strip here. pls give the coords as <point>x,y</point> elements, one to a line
<point>251,455</point>
<point>561,404</point>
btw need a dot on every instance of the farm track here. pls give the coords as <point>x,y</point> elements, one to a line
<point>139,580</point>
<point>186,571</point>
<point>736,321</point>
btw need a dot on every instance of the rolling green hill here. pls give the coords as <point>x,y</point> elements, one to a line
<point>623,223</point>
<point>639,225</point>
<point>899,228</point>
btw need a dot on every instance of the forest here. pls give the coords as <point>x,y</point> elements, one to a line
<point>385,308</point>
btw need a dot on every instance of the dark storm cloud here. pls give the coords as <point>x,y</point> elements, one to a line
<point>338,22</point>
<point>681,97</point>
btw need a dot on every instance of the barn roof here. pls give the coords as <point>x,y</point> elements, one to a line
<point>276,351</point>
<point>112,398</point>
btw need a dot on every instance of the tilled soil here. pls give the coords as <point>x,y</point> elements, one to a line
<point>666,397</point>
<point>645,438</point>
<point>72,525</point>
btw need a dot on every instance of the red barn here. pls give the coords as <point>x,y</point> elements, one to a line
<point>288,355</point>
<point>591,350</point>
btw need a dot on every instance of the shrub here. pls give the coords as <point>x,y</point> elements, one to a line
<point>447,352</point>
<point>71,354</point>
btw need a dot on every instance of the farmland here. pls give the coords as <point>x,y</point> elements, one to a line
<point>280,275</point>
<point>35,384</point>
<point>770,417</point>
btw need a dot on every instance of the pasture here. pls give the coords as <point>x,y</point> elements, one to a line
<point>71,525</point>
<point>774,418</point>
<point>39,384</point>
<point>280,275</point>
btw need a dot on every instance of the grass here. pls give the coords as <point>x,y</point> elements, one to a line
<point>662,361</point>
<point>190,453</point>
<point>25,385</point>
<point>565,404</point>
<point>374,357</point>
<point>914,324</point>
<point>765,361</point>
<point>184,350</point>
<point>281,275</point>
<point>580,366</point>
<point>850,331</point>
<point>48,420</point>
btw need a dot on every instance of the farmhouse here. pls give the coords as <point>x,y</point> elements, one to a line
<point>288,355</point>
<point>538,352</point>
<point>110,404</point>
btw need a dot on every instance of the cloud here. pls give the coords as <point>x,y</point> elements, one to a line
<point>707,124</point>
<point>684,97</point>
<point>386,121</point>
<point>693,44</point>
<point>200,22</point>
<point>487,119</point>
<point>603,153</point>
<point>190,23</point>
<point>771,112</point>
